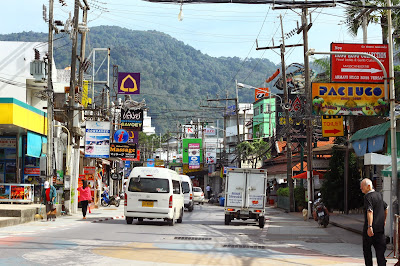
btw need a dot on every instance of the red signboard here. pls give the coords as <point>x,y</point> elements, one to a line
<point>31,171</point>
<point>260,93</point>
<point>137,159</point>
<point>357,68</point>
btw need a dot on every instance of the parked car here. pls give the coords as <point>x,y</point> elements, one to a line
<point>198,195</point>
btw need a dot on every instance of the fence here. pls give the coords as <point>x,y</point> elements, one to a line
<point>283,203</point>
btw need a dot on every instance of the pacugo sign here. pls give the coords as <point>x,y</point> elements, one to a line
<point>349,99</point>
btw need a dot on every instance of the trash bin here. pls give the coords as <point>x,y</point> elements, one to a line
<point>221,201</point>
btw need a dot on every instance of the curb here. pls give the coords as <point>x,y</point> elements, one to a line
<point>107,219</point>
<point>346,228</point>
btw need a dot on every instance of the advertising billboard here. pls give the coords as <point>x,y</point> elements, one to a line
<point>192,150</point>
<point>358,68</point>
<point>123,150</point>
<point>132,119</point>
<point>349,99</point>
<point>97,139</point>
<point>128,83</point>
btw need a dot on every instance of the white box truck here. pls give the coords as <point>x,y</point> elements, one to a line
<point>245,197</point>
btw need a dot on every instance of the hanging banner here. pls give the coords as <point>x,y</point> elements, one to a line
<point>132,119</point>
<point>349,99</point>
<point>128,83</point>
<point>97,139</point>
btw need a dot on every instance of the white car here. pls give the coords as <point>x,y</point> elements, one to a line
<point>198,195</point>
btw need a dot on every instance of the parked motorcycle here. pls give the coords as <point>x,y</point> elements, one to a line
<point>106,200</point>
<point>320,212</point>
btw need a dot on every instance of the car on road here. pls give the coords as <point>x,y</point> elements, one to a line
<point>187,188</point>
<point>198,195</point>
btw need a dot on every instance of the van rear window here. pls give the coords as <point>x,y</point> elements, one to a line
<point>148,185</point>
<point>185,187</point>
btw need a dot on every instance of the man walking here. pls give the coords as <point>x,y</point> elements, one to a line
<point>375,210</point>
<point>208,189</point>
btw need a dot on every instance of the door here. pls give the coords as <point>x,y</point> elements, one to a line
<point>256,190</point>
<point>235,189</point>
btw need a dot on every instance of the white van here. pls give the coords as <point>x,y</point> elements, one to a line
<point>153,193</point>
<point>187,188</point>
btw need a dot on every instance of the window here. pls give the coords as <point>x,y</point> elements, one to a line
<point>197,189</point>
<point>176,187</point>
<point>256,111</point>
<point>185,187</point>
<point>148,185</point>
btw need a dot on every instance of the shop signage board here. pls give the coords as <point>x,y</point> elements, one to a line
<point>137,159</point>
<point>133,136</point>
<point>211,157</point>
<point>16,192</point>
<point>208,131</point>
<point>349,99</point>
<point>123,150</point>
<point>197,149</point>
<point>31,171</point>
<point>121,136</point>
<point>332,126</point>
<point>297,107</point>
<point>132,119</point>
<point>97,139</point>
<point>194,155</point>
<point>150,162</point>
<point>357,68</point>
<point>89,170</point>
<point>260,93</point>
<point>128,83</point>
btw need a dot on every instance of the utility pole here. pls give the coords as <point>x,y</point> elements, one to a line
<point>83,44</point>
<point>239,160</point>
<point>282,47</point>
<point>50,95</point>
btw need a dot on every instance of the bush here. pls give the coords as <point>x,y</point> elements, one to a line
<point>284,192</point>
<point>299,196</point>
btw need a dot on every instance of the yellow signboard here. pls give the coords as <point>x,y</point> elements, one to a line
<point>349,99</point>
<point>85,90</point>
<point>332,126</point>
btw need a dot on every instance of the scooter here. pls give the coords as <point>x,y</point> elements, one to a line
<point>320,213</point>
<point>106,200</point>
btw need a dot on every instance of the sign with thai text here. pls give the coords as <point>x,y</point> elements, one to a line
<point>332,126</point>
<point>132,119</point>
<point>349,99</point>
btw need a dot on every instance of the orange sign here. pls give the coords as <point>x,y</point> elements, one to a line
<point>260,93</point>
<point>332,126</point>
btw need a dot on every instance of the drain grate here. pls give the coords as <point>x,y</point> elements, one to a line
<point>244,246</point>
<point>191,238</point>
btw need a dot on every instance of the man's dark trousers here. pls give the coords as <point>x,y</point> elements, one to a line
<point>378,240</point>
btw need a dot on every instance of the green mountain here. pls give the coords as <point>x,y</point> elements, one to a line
<point>175,78</point>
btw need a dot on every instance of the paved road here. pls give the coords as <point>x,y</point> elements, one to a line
<point>202,239</point>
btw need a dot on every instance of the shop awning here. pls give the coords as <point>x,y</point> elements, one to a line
<point>370,132</point>
<point>304,175</point>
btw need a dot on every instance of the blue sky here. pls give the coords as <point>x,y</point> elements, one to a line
<point>214,29</point>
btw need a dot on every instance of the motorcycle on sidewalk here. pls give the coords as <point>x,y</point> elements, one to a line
<point>320,212</point>
<point>106,200</point>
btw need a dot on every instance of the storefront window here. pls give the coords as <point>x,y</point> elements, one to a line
<point>8,159</point>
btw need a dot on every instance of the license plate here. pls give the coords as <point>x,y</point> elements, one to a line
<point>147,203</point>
<point>321,214</point>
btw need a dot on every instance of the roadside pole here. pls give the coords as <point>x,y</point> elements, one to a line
<point>50,171</point>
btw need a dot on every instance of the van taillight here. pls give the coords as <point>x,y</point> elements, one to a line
<point>125,200</point>
<point>170,201</point>
<point>191,196</point>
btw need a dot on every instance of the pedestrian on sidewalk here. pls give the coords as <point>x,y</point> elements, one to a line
<point>375,212</point>
<point>48,198</point>
<point>208,189</point>
<point>85,197</point>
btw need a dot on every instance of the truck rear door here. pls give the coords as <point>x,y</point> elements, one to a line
<point>235,189</point>
<point>256,189</point>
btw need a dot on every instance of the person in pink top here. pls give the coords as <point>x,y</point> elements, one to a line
<point>85,197</point>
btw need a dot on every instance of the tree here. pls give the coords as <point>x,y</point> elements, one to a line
<point>355,11</point>
<point>254,151</point>
<point>333,186</point>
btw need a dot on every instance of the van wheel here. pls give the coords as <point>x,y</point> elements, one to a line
<point>129,220</point>
<point>180,218</point>
<point>227,219</point>
<point>191,207</point>
<point>171,222</point>
<point>140,219</point>
<point>261,221</point>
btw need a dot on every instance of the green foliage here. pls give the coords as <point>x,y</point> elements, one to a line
<point>254,151</point>
<point>333,186</point>
<point>283,191</point>
<point>299,196</point>
<point>173,75</point>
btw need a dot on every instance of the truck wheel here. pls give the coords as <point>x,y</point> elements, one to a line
<point>129,220</point>
<point>180,219</point>
<point>261,221</point>
<point>227,219</point>
<point>117,203</point>
<point>140,219</point>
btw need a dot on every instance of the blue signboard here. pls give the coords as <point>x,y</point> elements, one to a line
<point>150,162</point>
<point>121,136</point>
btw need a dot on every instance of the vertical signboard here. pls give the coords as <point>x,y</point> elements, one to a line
<point>297,105</point>
<point>194,155</point>
<point>97,139</point>
<point>260,93</point>
<point>193,148</point>
<point>128,83</point>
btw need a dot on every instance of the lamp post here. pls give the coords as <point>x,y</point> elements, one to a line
<point>388,91</point>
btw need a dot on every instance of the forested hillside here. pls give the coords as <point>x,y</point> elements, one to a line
<point>174,76</point>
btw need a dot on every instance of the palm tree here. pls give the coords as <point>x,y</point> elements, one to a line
<point>355,11</point>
